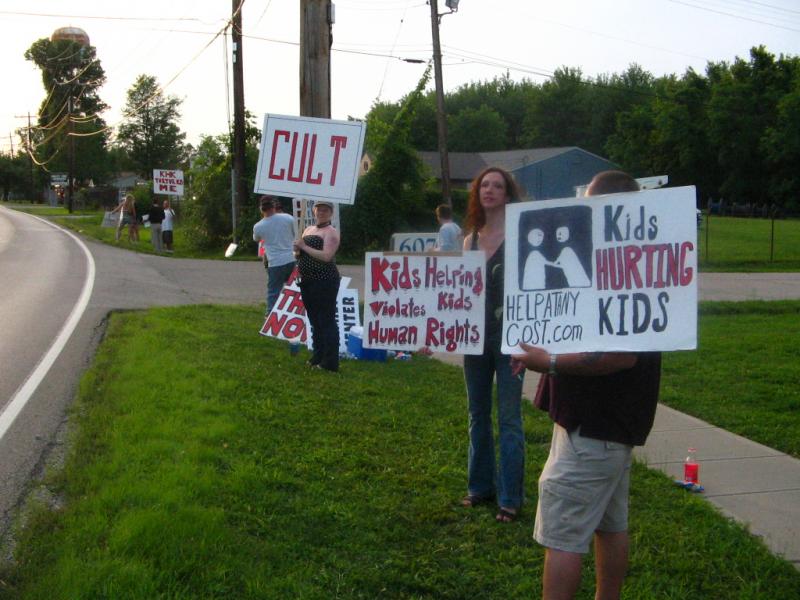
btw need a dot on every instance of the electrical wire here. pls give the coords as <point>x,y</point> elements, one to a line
<point>735,16</point>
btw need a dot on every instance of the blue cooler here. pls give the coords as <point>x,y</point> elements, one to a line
<point>355,347</point>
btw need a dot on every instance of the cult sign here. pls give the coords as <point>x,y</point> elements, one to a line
<point>310,158</point>
<point>168,181</point>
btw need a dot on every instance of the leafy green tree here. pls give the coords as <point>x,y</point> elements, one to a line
<point>13,174</point>
<point>781,144</point>
<point>150,133</point>
<point>69,116</point>
<point>476,130</point>
<point>561,113</point>
<point>393,188</point>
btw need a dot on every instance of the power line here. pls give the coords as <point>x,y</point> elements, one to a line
<point>735,16</point>
<point>99,17</point>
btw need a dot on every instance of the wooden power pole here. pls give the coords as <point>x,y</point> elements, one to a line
<point>441,117</point>
<point>316,37</point>
<point>239,187</point>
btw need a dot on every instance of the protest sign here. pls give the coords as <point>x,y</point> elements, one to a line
<point>311,158</point>
<point>288,320</point>
<point>413,242</point>
<point>168,181</point>
<point>604,273</point>
<point>413,301</point>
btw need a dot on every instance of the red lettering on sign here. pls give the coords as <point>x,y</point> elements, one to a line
<point>309,179</point>
<point>295,327</point>
<point>293,155</point>
<point>279,133</point>
<point>337,143</point>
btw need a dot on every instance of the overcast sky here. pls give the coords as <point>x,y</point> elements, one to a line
<point>175,41</point>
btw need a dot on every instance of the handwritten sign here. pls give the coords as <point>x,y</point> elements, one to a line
<point>168,181</point>
<point>603,273</point>
<point>288,320</point>
<point>417,300</point>
<point>317,159</point>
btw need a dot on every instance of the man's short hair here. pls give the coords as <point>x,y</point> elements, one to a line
<point>611,182</point>
<point>444,212</point>
<point>267,203</point>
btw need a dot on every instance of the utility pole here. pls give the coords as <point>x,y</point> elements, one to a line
<point>316,37</point>
<point>441,117</point>
<point>240,190</point>
<point>30,154</point>
<point>71,152</point>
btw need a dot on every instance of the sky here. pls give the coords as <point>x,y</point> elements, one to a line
<point>179,42</point>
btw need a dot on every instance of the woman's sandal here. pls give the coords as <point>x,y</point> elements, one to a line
<point>471,501</point>
<point>506,516</point>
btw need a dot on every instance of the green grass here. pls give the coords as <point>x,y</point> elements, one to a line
<point>744,376</point>
<point>207,462</point>
<point>743,245</point>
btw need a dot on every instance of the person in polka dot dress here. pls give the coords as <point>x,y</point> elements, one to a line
<point>319,285</point>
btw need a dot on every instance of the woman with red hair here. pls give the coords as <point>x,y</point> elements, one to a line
<point>490,192</point>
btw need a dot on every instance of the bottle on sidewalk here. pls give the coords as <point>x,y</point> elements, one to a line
<point>691,469</point>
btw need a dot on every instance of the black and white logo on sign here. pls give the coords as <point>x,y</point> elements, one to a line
<point>555,248</point>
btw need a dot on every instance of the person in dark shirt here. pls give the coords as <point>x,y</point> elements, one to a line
<point>155,217</point>
<point>602,404</point>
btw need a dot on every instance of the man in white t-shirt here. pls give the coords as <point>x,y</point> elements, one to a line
<point>167,226</point>
<point>277,232</point>
<point>449,238</point>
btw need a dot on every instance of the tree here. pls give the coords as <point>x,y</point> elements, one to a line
<point>561,113</point>
<point>392,190</point>
<point>150,133</point>
<point>69,116</point>
<point>476,130</point>
<point>782,148</point>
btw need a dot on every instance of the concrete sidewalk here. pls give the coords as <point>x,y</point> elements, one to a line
<point>757,486</point>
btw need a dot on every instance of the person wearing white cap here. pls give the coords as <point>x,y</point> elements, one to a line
<point>319,285</point>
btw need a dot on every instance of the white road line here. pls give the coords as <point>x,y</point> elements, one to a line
<point>27,389</point>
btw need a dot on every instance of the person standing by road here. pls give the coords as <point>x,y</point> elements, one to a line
<point>319,285</point>
<point>602,404</point>
<point>127,218</point>
<point>490,192</point>
<point>277,231</point>
<point>167,226</point>
<point>155,217</point>
<point>449,238</point>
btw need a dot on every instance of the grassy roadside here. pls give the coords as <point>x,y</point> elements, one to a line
<point>208,463</point>
<point>747,381</point>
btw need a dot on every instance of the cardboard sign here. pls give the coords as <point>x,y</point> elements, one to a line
<point>168,182</point>
<point>288,320</point>
<point>425,300</point>
<point>603,273</point>
<point>310,158</point>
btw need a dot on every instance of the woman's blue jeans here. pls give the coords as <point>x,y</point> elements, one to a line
<point>484,479</point>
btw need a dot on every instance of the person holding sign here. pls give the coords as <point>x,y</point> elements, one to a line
<point>602,404</point>
<point>491,190</point>
<point>127,217</point>
<point>319,285</point>
<point>277,232</point>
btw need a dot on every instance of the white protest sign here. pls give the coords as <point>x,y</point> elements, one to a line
<point>288,320</point>
<point>311,158</point>
<point>602,273</point>
<point>413,301</point>
<point>168,181</point>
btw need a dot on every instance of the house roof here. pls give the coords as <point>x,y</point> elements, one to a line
<point>466,165</point>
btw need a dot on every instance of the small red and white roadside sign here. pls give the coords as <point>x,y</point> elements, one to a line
<point>310,158</point>
<point>168,181</point>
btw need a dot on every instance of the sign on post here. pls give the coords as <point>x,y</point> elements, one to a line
<point>413,242</point>
<point>168,181</point>
<point>603,273</point>
<point>310,158</point>
<point>58,179</point>
<point>413,301</point>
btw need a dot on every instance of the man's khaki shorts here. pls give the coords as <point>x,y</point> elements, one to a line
<point>583,488</point>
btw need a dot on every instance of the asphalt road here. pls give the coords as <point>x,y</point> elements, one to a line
<point>42,274</point>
